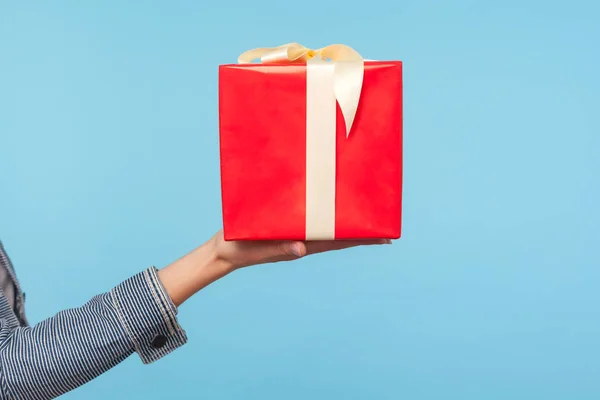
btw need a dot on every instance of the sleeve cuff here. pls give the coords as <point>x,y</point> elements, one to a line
<point>148,316</point>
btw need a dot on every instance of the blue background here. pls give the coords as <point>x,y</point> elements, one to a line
<point>109,164</point>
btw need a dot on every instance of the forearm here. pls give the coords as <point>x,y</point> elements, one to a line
<point>77,345</point>
<point>62,352</point>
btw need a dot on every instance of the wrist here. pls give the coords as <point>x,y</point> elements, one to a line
<point>208,265</point>
<point>216,259</point>
<point>193,272</point>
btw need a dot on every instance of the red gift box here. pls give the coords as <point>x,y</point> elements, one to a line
<point>290,169</point>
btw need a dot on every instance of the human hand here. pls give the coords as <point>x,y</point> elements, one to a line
<point>239,254</point>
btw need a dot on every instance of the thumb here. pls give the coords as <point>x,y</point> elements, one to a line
<point>291,249</point>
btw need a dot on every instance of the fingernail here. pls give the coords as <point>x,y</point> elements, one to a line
<point>296,250</point>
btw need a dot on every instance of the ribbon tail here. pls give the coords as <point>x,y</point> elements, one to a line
<point>347,86</point>
<point>349,71</point>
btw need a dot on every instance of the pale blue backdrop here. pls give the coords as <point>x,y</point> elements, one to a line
<point>109,164</point>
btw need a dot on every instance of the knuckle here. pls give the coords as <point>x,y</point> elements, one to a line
<point>282,249</point>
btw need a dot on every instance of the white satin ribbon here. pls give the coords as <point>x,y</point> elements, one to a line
<point>333,73</point>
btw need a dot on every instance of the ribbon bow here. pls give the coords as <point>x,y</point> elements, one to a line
<point>347,64</point>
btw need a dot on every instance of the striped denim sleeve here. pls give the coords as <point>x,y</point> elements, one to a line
<point>148,316</point>
<point>76,345</point>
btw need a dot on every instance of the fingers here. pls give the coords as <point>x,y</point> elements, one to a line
<point>265,252</point>
<point>313,247</point>
<point>300,249</point>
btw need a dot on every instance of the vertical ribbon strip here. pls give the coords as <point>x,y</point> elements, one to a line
<point>333,73</point>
